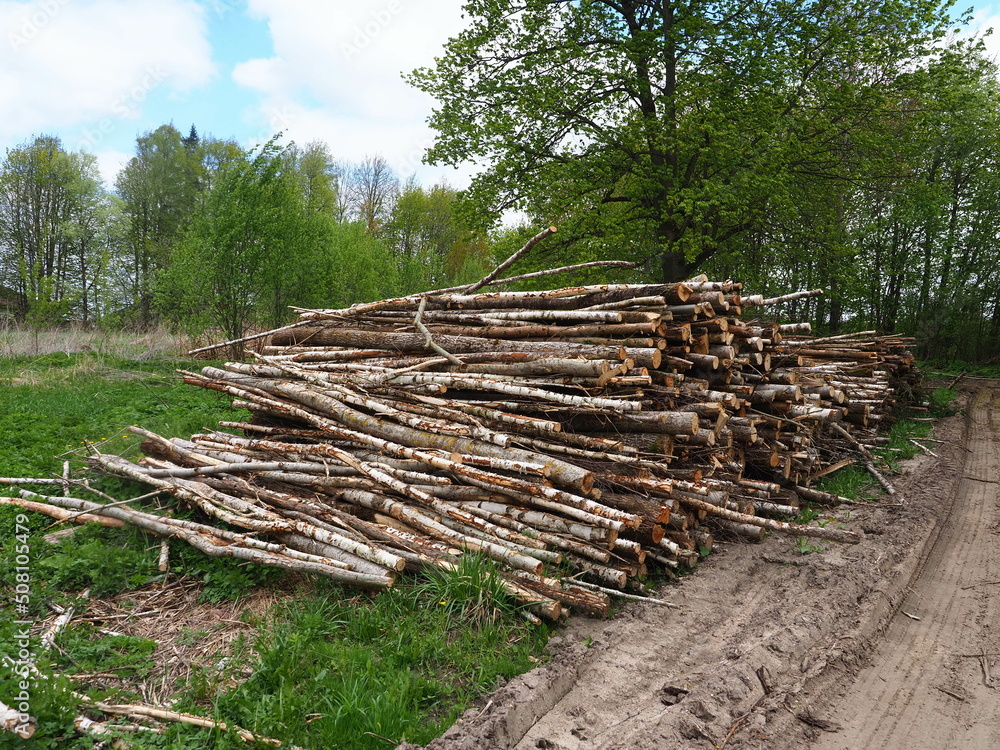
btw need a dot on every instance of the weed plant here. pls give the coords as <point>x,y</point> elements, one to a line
<point>942,402</point>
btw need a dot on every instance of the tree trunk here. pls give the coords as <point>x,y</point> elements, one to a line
<point>674,266</point>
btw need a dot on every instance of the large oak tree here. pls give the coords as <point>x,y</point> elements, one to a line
<point>665,129</point>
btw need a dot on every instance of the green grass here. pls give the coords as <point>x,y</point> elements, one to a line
<point>400,665</point>
<point>942,402</point>
<point>852,482</point>
<point>855,482</point>
<point>51,405</point>
<point>331,667</point>
<point>954,368</point>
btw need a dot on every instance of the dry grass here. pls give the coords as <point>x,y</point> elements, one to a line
<point>140,347</point>
<point>193,638</point>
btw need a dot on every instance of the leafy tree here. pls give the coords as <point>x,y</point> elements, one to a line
<point>215,155</point>
<point>900,234</point>
<point>262,241</point>
<point>429,239</point>
<point>318,173</point>
<point>91,233</point>
<point>159,188</point>
<point>667,130</point>
<point>49,204</point>
<point>354,267</point>
<point>931,244</point>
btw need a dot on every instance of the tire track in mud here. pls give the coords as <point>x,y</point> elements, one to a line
<point>617,698</point>
<point>766,615</point>
<point>935,682</point>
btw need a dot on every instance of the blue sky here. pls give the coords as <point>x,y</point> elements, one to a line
<point>99,72</point>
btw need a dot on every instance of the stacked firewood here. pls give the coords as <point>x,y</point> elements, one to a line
<point>578,436</point>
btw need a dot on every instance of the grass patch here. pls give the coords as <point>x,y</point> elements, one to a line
<point>333,668</point>
<point>953,368</point>
<point>329,668</point>
<point>151,345</point>
<point>51,406</point>
<point>855,482</point>
<point>851,482</point>
<point>402,664</point>
<point>942,402</point>
<point>85,650</point>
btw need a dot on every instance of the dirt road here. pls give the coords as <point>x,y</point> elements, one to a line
<point>771,648</point>
<point>933,682</point>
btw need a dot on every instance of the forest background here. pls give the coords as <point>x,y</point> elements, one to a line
<point>842,145</point>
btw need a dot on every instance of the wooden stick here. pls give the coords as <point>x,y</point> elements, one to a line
<point>623,595</point>
<point>564,269</point>
<point>163,564</point>
<point>427,335</point>
<point>201,536</point>
<point>60,513</point>
<point>49,636</point>
<point>244,339</point>
<point>924,448</point>
<point>161,714</point>
<point>486,280</point>
<point>17,722</point>
<point>837,535</point>
<point>869,458</point>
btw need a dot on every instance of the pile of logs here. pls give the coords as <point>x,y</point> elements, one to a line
<point>577,436</point>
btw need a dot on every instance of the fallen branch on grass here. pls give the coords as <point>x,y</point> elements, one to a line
<point>59,513</point>
<point>160,714</point>
<point>17,722</point>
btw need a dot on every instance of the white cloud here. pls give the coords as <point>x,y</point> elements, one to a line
<point>983,20</point>
<point>68,62</point>
<point>110,163</point>
<point>336,75</point>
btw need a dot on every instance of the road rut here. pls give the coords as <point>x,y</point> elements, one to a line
<point>771,649</point>
<point>934,682</point>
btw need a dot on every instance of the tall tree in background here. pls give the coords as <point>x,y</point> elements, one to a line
<point>255,247</point>
<point>663,128</point>
<point>49,201</point>
<point>159,188</point>
<point>91,231</point>
<point>373,188</point>
<point>215,155</point>
<point>429,240</point>
<point>318,175</point>
<point>931,257</point>
<point>902,233</point>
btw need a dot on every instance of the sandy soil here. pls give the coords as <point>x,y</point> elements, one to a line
<point>770,648</point>
<point>931,682</point>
